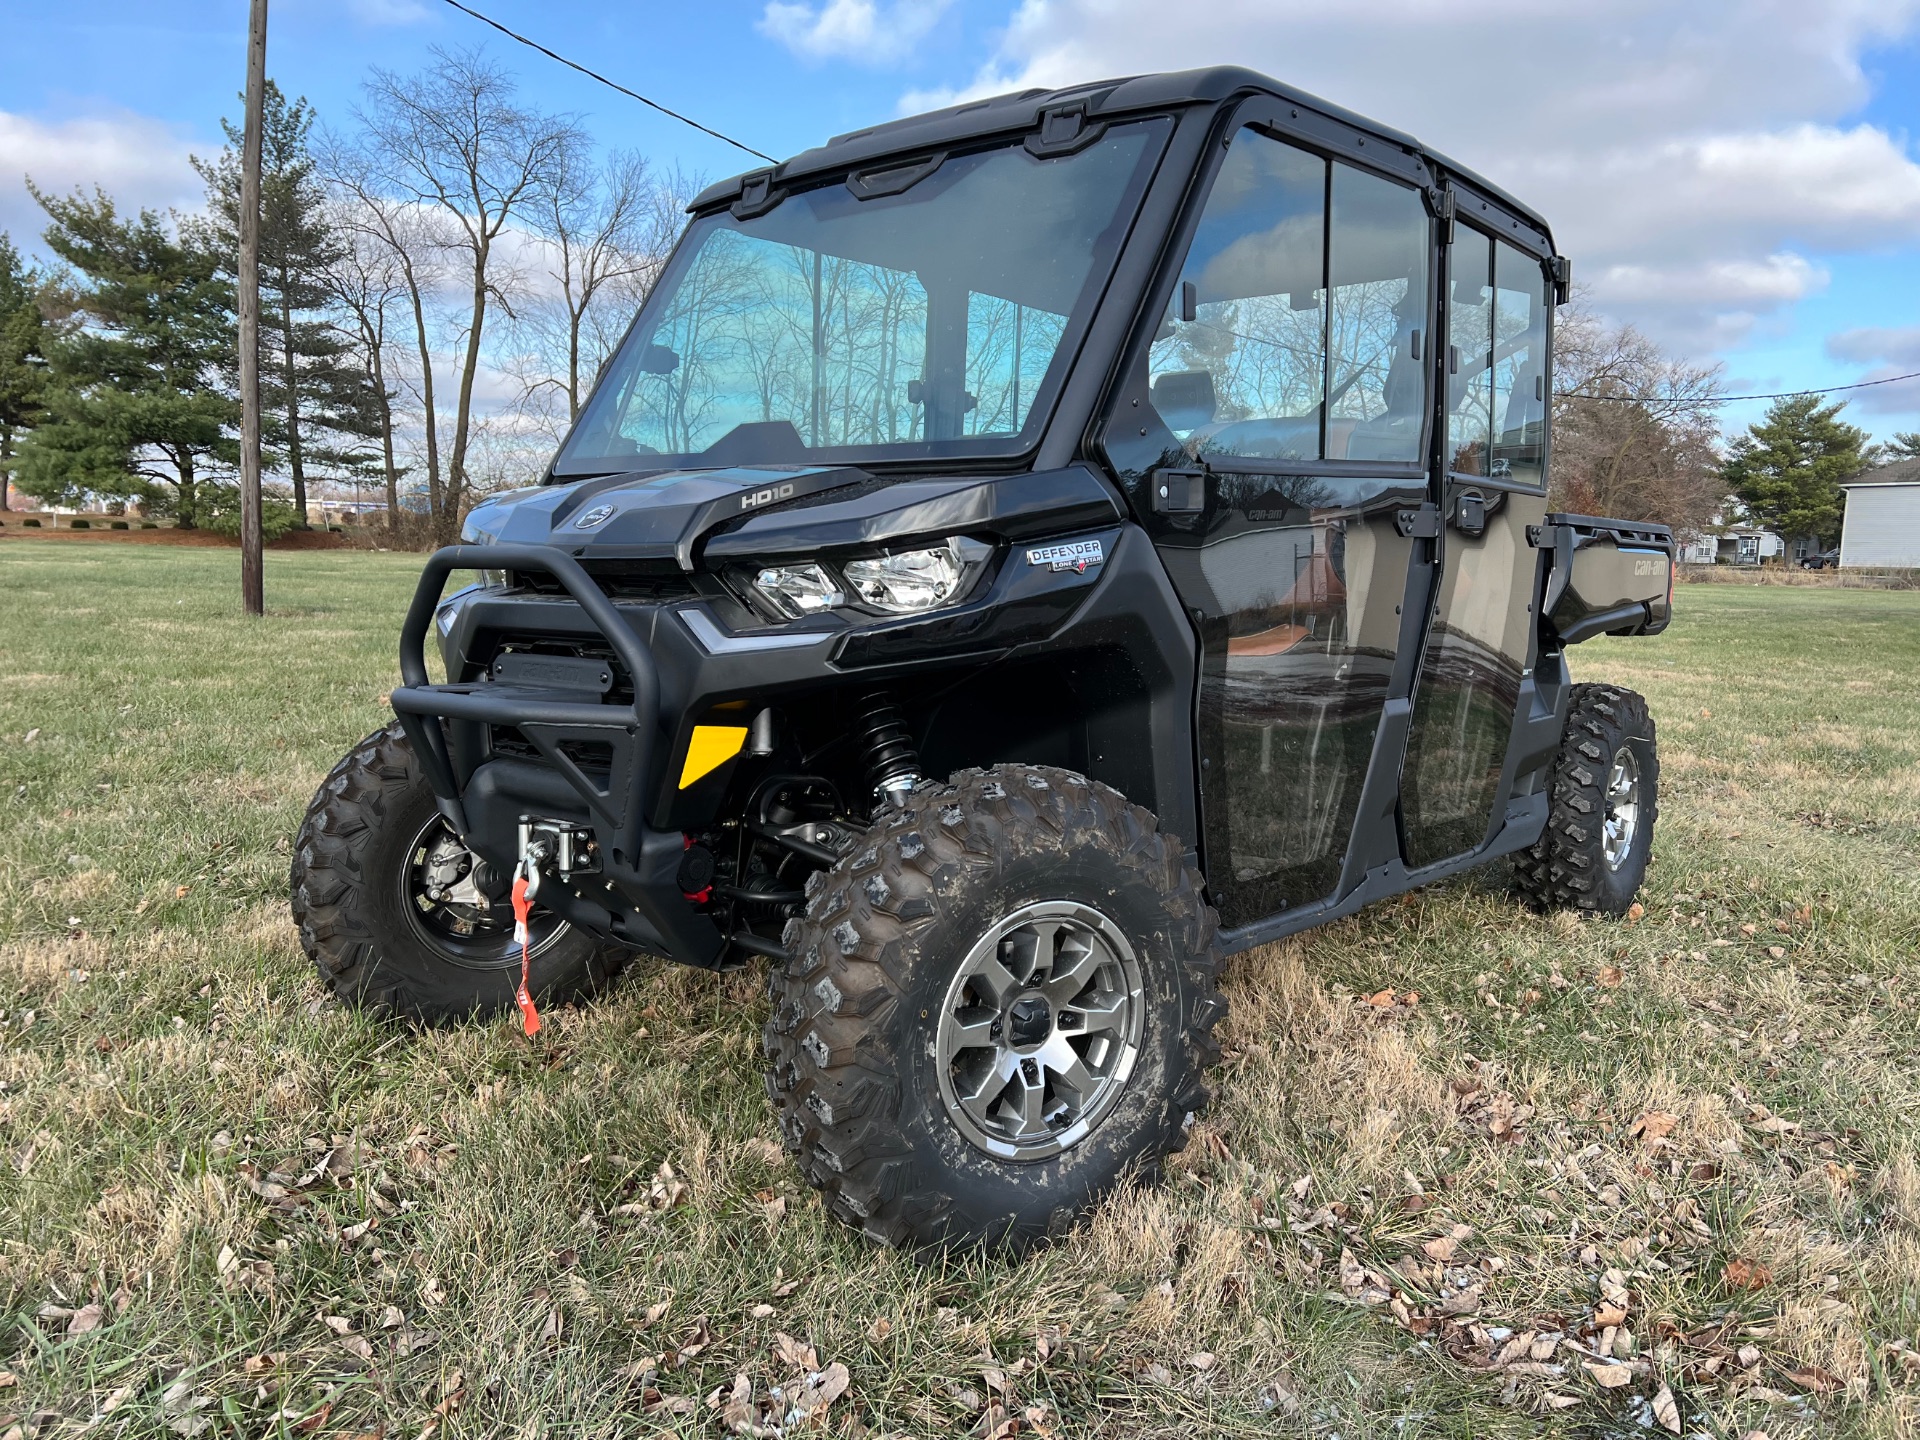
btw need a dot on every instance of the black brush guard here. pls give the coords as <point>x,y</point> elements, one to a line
<point>638,865</point>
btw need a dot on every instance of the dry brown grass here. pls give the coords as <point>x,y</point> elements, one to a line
<point>1450,1137</point>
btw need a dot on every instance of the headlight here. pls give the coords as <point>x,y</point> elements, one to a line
<point>797,591</point>
<point>907,582</point>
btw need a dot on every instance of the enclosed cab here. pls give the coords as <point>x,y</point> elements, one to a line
<point>1018,556</point>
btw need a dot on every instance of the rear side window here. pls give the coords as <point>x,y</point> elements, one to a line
<point>1497,372</point>
<point>1296,329</point>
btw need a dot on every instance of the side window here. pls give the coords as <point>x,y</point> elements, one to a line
<point>1296,329</point>
<point>1469,355</point>
<point>1497,371</point>
<point>1238,368</point>
<point>1378,244</point>
<point>1520,371</point>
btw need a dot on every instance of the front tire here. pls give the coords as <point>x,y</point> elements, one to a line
<point>997,1008</point>
<point>371,851</point>
<point>1606,790</point>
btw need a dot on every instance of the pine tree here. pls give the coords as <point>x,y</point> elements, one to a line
<point>23,361</point>
<point>1905,445</point>
<point>133,391</point>
<point>312,385</point>
<point>1787,469</point>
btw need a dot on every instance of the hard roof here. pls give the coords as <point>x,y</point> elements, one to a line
<point>1900,472</point>
<point>1020,111</point>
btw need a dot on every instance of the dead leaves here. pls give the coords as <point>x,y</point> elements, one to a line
<point>800,1400</point>
<point>1741,1273</point>
<point>666,1192</point>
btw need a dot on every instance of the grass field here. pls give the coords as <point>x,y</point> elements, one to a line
<point>1592,1177</point>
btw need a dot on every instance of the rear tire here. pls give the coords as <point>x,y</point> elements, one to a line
<point>1024,902</point>
<point>1606,789</point>
<point>360,922</point>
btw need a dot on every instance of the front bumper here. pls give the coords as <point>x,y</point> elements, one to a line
<point>634,897</point>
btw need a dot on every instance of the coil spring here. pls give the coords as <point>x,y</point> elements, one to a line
<point>891,754</point>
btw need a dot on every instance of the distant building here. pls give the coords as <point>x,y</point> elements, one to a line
<point>1882,525</point>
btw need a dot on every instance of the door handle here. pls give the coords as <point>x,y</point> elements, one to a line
<point>1179,492</point>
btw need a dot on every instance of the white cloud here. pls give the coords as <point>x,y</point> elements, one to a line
<point>1898,350</point>
<point>137,160</point>
<point>1690,157</point>
<point>859,30</point>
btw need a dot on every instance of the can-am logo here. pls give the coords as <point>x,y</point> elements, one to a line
<point>754,499</point>
<point>1076,555</point>
<point>593,517</point>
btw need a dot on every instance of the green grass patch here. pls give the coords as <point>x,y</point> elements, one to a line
<point>229,1206</point>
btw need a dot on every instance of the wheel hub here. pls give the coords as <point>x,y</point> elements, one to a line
<point>1030,1020</point>
<point>1040,1030</point>
<point>449,911</point>
<point>1623,807</point>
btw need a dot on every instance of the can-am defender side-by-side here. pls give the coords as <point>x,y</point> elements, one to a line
<point>1018,556</point>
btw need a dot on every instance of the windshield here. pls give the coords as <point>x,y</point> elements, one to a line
<point>929,323</point>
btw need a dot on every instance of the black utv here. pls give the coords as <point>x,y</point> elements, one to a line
<point>1018,556</point>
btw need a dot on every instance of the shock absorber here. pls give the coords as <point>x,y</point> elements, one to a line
<point>893,763</point>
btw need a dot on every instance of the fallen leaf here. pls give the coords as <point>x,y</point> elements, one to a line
<point>794,1353</point>
<point>1666,1412</point>
<point>1609,1376</point>
<point>1635,911</point>
<point>357,1346</point>
<point>1202,1360</point>
<point>86,1318</point>
<point>1814,1378</point>
<point>880,1330</point>
<point>1744,1274</point>
<point>1610,976</point>
<point>339,1324</point>
<point>761,1312</point>
<point>1653,1125</point>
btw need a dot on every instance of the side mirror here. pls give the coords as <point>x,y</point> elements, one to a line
<point>659,360</point>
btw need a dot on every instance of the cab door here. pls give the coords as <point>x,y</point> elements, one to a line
<point>1479,644</point>
<point>1273,434</point>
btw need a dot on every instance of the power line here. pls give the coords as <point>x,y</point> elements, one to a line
<point>1730,399</point>
<point>611,84</point>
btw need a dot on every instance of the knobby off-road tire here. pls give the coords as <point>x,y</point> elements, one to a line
<point>1593,853</point>
<point>889,935</point>
<point>351,900</point>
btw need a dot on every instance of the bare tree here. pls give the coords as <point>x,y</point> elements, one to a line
<point>368,279</point>
<point>407,238</point>
<point>601,238</point>
<point>454,141</point>
<point>1635,430</point>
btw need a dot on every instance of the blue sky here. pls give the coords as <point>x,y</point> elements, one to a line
<point>1741,178</point>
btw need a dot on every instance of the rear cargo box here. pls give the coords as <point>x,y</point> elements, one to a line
<point>1605,577</point>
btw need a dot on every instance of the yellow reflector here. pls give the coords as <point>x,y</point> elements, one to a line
<point>711,747</point>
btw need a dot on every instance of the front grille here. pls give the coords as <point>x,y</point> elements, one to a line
<point>658,581</point>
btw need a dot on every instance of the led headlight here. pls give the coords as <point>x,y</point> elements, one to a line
<point>797,591</point>
<point>909,581</point>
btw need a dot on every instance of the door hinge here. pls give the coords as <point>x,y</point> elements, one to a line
<point>1420,524</point>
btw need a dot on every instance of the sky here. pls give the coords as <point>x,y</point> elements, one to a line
<point>1738,178</point>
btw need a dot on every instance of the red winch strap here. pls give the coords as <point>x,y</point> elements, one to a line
<point>522,907</point>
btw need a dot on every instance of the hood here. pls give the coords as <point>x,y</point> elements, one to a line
<point>644,516</point>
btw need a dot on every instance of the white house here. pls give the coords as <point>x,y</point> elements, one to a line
<point>1882,525</point>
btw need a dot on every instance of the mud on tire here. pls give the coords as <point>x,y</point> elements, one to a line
<point>350,865</point>
<point>1568,868</point>
<point>850,1040</point>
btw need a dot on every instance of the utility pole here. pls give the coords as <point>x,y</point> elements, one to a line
<point>252,565</point>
